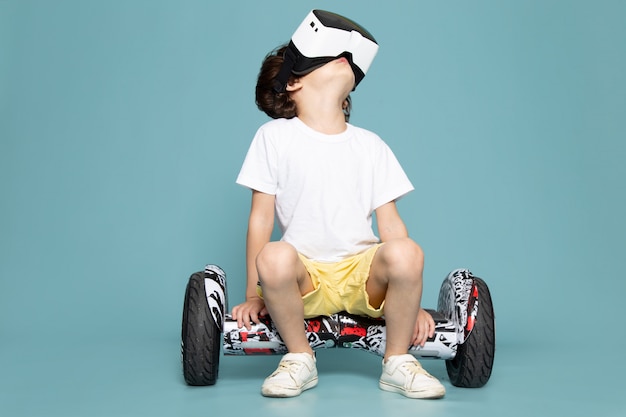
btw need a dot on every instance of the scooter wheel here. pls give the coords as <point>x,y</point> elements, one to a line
<point>201,336</point>
<point>471,367</point>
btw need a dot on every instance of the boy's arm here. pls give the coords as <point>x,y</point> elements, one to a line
<point>260,227</point>
<point>390,224</point>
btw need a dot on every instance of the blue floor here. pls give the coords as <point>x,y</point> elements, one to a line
<point>123,125</point>
<point>142,377</point>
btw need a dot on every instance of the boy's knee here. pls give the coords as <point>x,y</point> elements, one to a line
<point>401,249</point>
<point>403,255</point>
<point>276,260</point>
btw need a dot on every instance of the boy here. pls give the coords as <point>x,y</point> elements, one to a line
<point>323,178</point>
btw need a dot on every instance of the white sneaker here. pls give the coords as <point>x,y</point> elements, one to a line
<point>296,372</point>
<point>404,374</point>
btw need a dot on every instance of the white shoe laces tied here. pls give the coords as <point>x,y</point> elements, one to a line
<point>415,369</point>
<point>289,366</point>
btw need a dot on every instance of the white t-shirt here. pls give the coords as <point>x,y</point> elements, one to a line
<point>326,186</point>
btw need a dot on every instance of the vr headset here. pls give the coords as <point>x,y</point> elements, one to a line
<point>323,37</point>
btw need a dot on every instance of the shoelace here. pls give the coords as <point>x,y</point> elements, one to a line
<point>415,368</point>
<point>288,366</point>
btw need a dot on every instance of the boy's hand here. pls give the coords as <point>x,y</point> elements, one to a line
<point>424,328</point>
<point>249,311</point>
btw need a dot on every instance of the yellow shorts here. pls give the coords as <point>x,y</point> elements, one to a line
<point>339,286</point>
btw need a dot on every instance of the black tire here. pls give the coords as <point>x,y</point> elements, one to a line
<point>471,367</point>
<point>201,336</point>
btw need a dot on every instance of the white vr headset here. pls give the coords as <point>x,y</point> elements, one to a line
<point>322,37</point>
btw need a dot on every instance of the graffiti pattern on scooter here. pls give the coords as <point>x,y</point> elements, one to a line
<point>215,287</point>
<point>459,300</point>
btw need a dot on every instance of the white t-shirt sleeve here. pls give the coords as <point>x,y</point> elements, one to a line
<point>390,181</point>
<point>259,169</point>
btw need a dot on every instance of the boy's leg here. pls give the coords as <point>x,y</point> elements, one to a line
<point>396,278</point>
<point>284,281</point>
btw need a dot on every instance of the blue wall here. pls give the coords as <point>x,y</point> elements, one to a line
<point>123,126</point>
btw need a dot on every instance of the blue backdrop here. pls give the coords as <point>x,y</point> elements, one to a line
<point>124,124</point>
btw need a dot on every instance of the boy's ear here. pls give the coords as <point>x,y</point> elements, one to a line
<point>294,84</point>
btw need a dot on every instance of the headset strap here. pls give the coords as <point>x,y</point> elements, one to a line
<point>289,61</point>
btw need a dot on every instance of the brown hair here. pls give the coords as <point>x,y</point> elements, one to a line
<point>280,105</point>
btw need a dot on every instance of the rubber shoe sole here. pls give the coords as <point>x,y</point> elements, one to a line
<point>423,393</point>
<point>287,392</point>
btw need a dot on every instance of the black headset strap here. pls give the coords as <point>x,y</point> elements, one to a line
<point>289,60</point>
